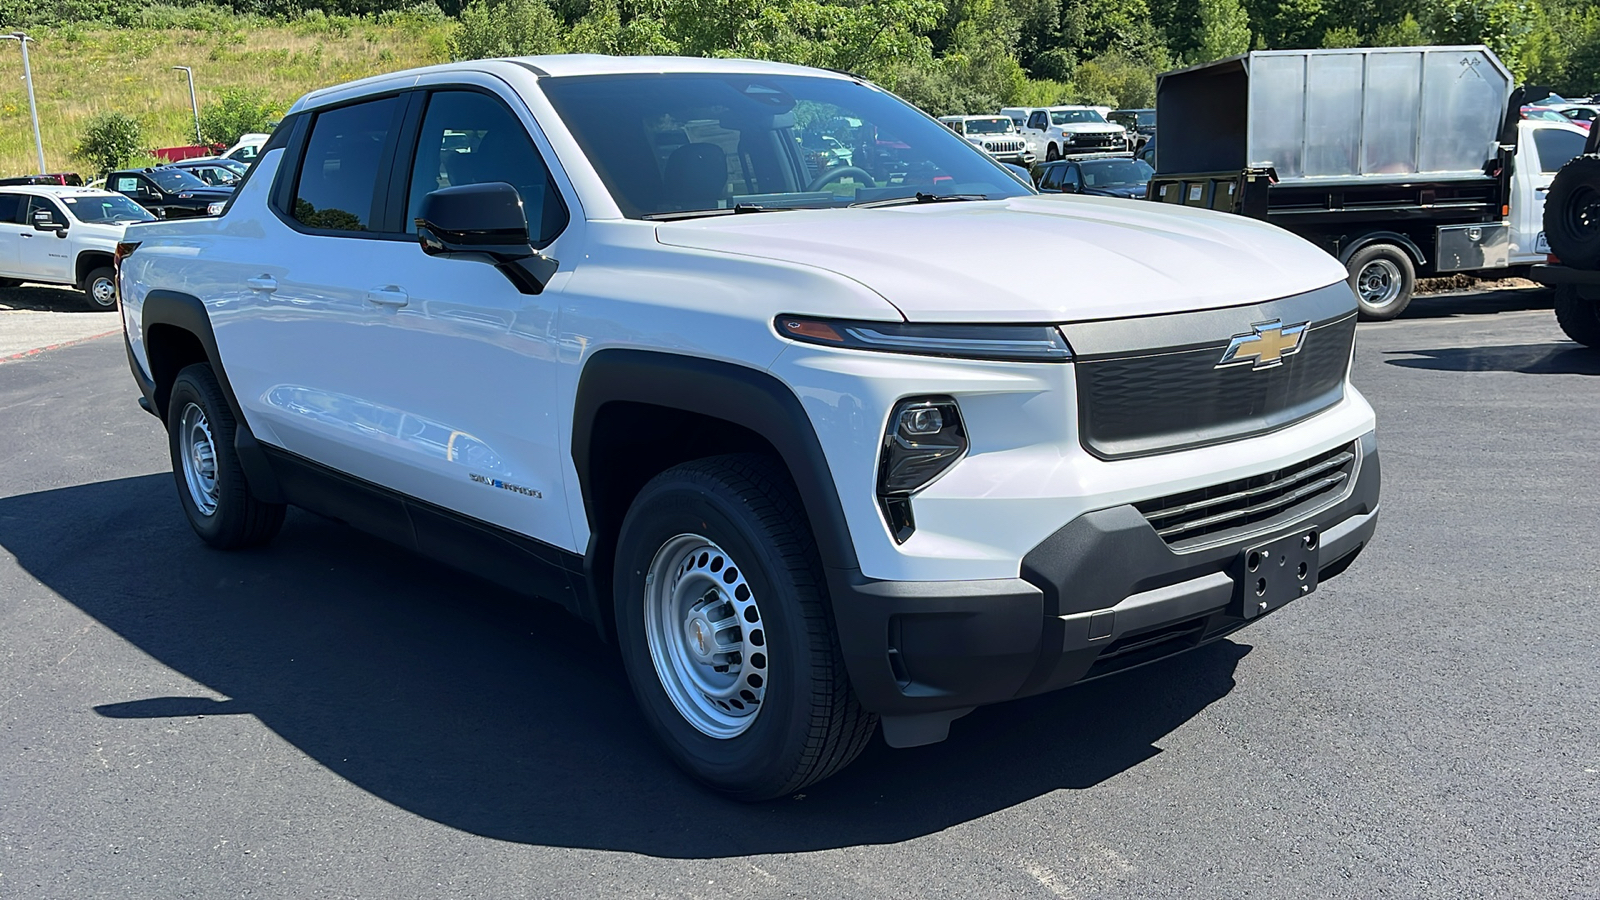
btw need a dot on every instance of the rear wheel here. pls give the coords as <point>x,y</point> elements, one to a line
<point>1577,316</point>
<point>1383,279</point>
<point>101,288</point>
<point>211,484</point>
<point>723,625</point>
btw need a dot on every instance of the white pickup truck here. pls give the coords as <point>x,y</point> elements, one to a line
<point>592,329</point>
<point>64,235</point>
<point>1055,132</point>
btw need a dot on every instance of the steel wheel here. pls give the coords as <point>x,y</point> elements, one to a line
<point>199,454</point>
<point>705,636</point>
<point>103,292</point>
<point>1379,283</point>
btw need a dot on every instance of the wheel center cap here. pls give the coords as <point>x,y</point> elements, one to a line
<point>698,631</point>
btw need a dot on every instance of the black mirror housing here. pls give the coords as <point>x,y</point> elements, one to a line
<point>485,222</point>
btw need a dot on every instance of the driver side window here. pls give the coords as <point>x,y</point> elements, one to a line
<point>42,210</point>
<point>1038,120</point>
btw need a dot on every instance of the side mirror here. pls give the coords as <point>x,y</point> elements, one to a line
<point>43,221</point>
<point>484,222</point>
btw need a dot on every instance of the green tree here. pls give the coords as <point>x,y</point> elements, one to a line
<point>236,113</point>
<point>1224,30</point>
<point>1506,26</point>
<point>506,28</point>
<point>110,141</point>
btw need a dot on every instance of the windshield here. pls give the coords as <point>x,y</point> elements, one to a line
<point>988,126</point>
<point>106,209</point>
<point>173,180</point>
<point>666,143</point>
<point>1070,116</point>
<point>1115,172</point>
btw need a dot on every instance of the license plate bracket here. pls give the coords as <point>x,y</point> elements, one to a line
<point>1270,575</point>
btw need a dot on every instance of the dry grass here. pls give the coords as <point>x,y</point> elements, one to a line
<point>79,72</point>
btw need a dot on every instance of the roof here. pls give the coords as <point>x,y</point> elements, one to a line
<point>576,64</point>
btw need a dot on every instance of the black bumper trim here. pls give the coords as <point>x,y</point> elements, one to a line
<point>1102,594</point>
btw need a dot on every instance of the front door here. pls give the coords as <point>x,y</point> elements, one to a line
<point>43,254</point>
<point>1540,155</point>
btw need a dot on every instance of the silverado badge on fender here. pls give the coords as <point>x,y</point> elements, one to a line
<point>1265,345</point>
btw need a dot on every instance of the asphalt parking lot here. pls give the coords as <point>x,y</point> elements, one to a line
<point>329,718</point>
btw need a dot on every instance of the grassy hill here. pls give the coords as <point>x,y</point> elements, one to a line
<point>81,71</point>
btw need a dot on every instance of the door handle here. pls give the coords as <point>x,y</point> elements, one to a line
<point>388,295</point>
<point>265,283</point>
<point>27,234</point>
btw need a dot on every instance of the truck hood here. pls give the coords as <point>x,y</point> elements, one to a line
<point>1030,259</point>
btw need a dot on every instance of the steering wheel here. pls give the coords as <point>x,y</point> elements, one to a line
<point>832,175</point>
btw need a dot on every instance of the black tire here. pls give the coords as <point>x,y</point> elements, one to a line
<point>10,282</point>
<point>95,289</point>
<point>238,519</point>
<point>1572,213</point>
<point>1051,154</point>
<point>1577,316</point>
<point>1383,278</point>
<point>809,724</point>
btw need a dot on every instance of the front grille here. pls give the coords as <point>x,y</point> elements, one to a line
<point>1004,146</point>
<point>1095,140</point>
<point>1253,503</point>
<point>1136,401</point>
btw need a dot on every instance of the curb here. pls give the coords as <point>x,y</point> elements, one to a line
<point>38,350</point>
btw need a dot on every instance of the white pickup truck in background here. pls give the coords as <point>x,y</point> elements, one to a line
<point>64,235</point>
<point>1056,131</point>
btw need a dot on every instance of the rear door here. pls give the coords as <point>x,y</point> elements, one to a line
<point>12,208</point>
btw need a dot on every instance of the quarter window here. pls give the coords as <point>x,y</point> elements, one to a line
<point>339,172</point>
<point>471,138</point>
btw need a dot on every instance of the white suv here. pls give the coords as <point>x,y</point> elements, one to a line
<point>593,329</point>
<point>1055,132</point>
<point>64,235</point>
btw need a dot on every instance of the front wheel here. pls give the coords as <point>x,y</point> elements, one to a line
<point>100,288</point>
<point>1051,154</point>
<point>211,483</point>
<point>1577,316</point>
<point>724,629</point>
<point>1383,278</point>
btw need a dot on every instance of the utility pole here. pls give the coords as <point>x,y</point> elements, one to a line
<point>193,103</point>
<point>33,106</point>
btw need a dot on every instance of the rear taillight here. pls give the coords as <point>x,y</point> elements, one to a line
<point>125,249</point>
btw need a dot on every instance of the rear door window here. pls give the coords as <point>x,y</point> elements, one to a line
<point>11,207</point>
<point>336,188</point>
<point>1557,147</point>
<point>468,137</point>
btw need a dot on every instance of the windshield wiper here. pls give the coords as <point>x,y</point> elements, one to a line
<point>741,209</point>
<point>919,197</point>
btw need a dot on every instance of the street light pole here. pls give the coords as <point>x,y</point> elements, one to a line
<point>33,106</point>
<point>193,103</point>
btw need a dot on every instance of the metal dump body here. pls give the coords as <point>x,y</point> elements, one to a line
<point>1375,114</point>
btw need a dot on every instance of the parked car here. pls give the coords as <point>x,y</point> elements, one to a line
<point>1140,124</point>
<point>1544,114</point>
<point>70,179</point>
<point>1058,131</point>
<point>788,441</point>
<point>1105,176</point>
<point>247,148</point>
<point>994,135</point>
<point>50,234</point>
<point>214,171</point>
<point>170,193</point>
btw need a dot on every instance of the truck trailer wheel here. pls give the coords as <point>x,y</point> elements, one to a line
<point>723,625</point>
<point>1578,317</point>
<point>1383,278</point>
<point>1572,213</point>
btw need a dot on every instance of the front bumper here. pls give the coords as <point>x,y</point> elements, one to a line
<point>1103,594</point>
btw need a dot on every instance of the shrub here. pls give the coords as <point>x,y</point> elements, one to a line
<point>237,112</point>
<point>111,141</point>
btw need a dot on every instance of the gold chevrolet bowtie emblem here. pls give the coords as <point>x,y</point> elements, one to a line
<point>1265,345</point>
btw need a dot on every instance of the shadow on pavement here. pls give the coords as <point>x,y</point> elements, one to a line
<point>1478,303</point>
<point>1529,359</point>
<point>466,705</point>
<point>43,298</point>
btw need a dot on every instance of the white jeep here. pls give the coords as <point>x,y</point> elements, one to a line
<point>594,329</point>
<point>1055,132</point>
<point>51,234</point>
<point>996,135</point>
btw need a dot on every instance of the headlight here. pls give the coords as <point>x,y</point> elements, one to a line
<point>215,209</point>
<point>1000,343</point>
<point>925,437</point>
